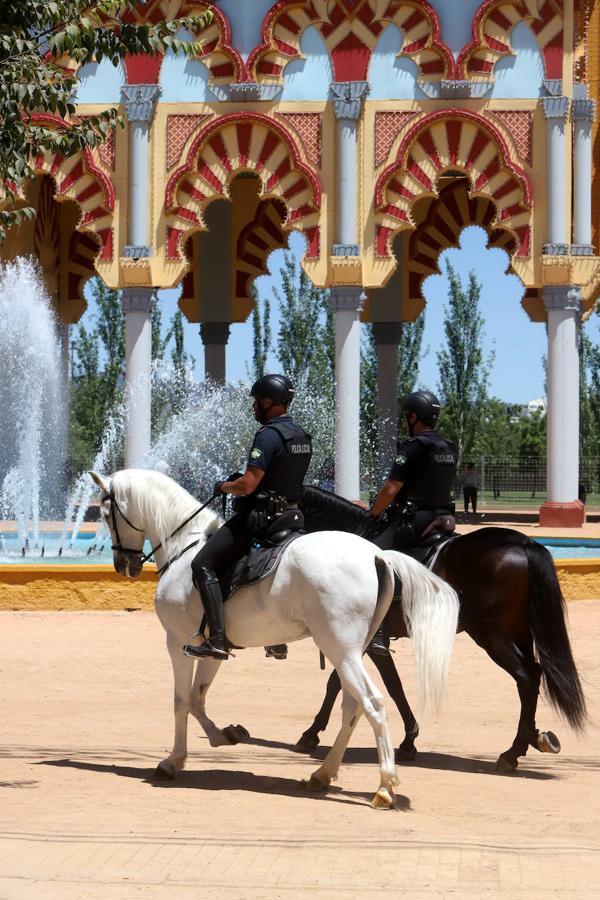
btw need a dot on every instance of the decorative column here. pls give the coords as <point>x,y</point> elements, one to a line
<point>387,336</point>
<point>556,110</point>
<point>347,104</point>
<point>137,305</point>
<point>563,508</point>
<point>214,337</point>
<point>347,303</point>
<point>139,101</point>
<point>583,116</point>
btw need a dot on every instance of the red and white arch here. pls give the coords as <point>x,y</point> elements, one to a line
<point>492,26</point>
<point>452,141</point>
<point>350,31</point>
<point>226,146</point>
<point>81,179</point>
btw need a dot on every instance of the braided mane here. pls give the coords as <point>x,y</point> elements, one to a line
<point>324,511</point>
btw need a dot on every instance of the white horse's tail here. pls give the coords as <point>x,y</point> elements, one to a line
<point>430,607</point>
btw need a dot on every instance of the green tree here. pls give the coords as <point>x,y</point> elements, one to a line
<point>261,333</point>
<point>305,341</point>
<point>97,378</point>
<point>463,369</point>
<point>42,42</point>
<point>589,397</point>
<point>500,432</point>
<point>410,355</point>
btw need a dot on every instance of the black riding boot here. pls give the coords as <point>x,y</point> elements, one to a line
<point>277,651</point>
<point>210,592</point>
<point>380,645</point>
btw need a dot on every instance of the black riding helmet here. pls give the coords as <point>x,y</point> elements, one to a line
<point>277,388</point>
<point>424,405</point>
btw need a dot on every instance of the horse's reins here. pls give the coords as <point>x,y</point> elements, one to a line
<point>147,557</point>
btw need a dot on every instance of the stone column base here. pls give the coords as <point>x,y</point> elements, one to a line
<point>562,515</point>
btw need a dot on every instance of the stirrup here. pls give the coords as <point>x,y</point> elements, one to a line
<point>205,649</point>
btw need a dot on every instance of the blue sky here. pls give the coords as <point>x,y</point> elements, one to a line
<point>517,374</point>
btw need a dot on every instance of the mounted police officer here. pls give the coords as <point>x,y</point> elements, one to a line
<point>421,478</point>
<point>419,484</point>
<point>266,502</point>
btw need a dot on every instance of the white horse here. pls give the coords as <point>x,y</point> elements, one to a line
<point>331,586</point>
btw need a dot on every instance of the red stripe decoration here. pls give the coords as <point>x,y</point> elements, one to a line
<point>106,237</point>
<point>188,188</point>
<point>287,49</point>
<point>90,191</point>
<point>395,211</point>
<point>401,190</point>
<point>223,70</point>
<point>268,68</point>
<point>244,133</point>
<point>56,163</point>
<point>270,143</point>
<point>495,44</point>
<point>500,20</point>
<point>433,67</point>
<point>381,240</point>
<point>426,142</point>
<point>313,237</point>
<point>205,172</point>
<point>297,186</point>
<point>173,235</point>
<point>524,235</point>
<point>487,174</point>
<point>216,143</point>
<point>513,210</point>
<point>417,172</point>
<point>299,213</point>
<point>283,169</point>
<point>286,21</point>
<point>453,131</point>
<point>97,213</point>
<point>508,186</point>
<point>414,19</point>
<point>479,144</point>
<point>189,215</point>
<point>73,176</point>
<point>415,46</point>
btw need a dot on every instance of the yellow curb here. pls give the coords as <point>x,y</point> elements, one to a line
<point>55,587</point>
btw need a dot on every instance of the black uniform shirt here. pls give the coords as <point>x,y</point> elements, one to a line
<point>411,457</point>
<point>268,446</point>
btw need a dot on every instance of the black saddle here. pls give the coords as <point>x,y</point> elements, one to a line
<point>437,532</point>
<point>259,563</point>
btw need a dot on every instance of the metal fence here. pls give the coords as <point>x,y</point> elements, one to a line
<point>522,481</point>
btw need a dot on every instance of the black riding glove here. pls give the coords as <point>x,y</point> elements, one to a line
<point>218,488</point>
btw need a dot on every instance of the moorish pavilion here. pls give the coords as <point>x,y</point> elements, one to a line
<point>380,129</point>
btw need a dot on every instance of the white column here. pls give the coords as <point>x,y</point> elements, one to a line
<point>563,303</point>
<point>583,116</point>
<point>387,336</point>
<point>137,305</point>
<point>556,110</point>
<point>214,337</point>
<point>347,303</point>
<point>347,104</point>
<point>139,101</point>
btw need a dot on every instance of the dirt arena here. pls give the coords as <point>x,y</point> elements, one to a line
<point>87,714</point>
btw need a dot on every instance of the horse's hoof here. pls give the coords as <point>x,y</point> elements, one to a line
<point>506,765</point>
<point>308,743</point>
<point>382,799</point>
<point>547,742</point>
<point>236,734</point>
<point>406,754</point>
<point>162,773</point>
<point>316,784</point>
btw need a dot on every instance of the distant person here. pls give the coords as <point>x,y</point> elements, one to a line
<point>470,486</point>
<point>582,493</point>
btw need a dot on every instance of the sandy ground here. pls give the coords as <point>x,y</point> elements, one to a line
<point>87,714</point>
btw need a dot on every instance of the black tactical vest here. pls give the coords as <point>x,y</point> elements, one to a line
<point>431,488</point>
<point>286,475</point>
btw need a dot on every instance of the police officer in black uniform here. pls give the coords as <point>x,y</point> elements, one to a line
<point>421,479</point>
<point>266,502</point>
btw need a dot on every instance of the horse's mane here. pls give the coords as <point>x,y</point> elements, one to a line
<point>324,511</point>
<point>154,497</point>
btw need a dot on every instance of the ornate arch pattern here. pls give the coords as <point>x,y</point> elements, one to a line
<point>235,143</point>
<point>218,53</point>
<point>79,178</point>
<point>444,218</point>
<point>454,140</point>
<point>350,31</point>
<point>255,242</point>
<point>492,25</point>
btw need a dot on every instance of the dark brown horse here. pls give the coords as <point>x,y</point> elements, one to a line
<point>510,604</point>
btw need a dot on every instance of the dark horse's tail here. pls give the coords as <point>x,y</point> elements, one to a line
<point>547,616</point>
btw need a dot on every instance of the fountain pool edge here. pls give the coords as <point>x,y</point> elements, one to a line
<point>77,587</point>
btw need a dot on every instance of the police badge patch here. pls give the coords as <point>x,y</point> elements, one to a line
<point>400,460</point>
<point>256,453</point>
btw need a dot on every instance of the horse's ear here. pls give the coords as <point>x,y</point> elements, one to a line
<point>99,481</point>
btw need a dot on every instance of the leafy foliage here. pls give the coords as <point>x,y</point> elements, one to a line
<point>463,370</point>
<point>42,43</point>
<point>261,333</point>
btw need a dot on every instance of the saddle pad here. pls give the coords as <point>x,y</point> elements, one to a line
<point>258,564</point>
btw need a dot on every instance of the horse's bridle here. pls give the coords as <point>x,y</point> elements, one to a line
<point>146,557</point>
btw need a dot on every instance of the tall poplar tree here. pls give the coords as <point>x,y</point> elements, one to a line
<point>463,367</point>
